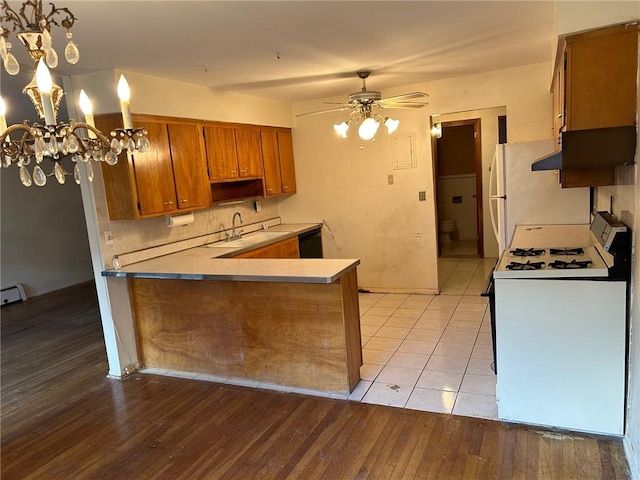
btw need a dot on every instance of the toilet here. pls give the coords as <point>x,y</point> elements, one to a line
<point>447,227</point>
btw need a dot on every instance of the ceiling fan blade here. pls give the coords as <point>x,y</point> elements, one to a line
<point>340,109</point>
<point>402,105</point>
<point>406,96</point>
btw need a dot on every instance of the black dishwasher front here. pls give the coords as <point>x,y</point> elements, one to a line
<point>310,244</point>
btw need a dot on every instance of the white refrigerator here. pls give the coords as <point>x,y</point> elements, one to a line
<point>518,196</point>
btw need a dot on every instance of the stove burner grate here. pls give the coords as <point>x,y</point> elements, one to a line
<point>566,251</point>
<point>525,266</point>
<point>527,252</point>
<point>572,265</point>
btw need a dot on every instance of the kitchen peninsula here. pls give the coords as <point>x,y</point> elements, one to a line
<point>285,321</point>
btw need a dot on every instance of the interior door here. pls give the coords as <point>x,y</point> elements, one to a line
<point>459,191</point>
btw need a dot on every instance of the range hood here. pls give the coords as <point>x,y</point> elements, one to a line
<point>589,149</point>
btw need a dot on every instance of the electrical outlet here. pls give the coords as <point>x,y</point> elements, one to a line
<point>422,196</point>
<point>108,237</point>
<point>390,179</point>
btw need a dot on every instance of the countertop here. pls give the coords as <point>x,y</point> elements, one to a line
<point>206,263</point>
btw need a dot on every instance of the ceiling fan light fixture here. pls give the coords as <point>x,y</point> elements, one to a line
<point>391,124</point>
<point>368,128</point>
<point>341,129</point>
<point>363,107</point>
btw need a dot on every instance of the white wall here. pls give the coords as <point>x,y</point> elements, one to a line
<point>488,141</point>
<point>43,233</point>
<point>384,225</point>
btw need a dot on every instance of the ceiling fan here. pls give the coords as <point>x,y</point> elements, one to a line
<point>361,104</point>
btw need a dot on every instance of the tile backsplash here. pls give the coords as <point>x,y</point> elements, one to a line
<point>456,201</point>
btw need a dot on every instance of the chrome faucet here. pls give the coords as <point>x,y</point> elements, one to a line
<point>235,235</point>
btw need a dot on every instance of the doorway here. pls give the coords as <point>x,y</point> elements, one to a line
<point>458,169</point>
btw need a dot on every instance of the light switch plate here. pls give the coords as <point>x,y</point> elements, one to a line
<point>108,237</point>
<point>390,179</point>
<point>422,196</point>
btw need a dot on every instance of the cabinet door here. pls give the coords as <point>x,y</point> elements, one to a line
<point>154,172</point>
<point>284,249</point>
<point>270,157</point>
<point>601,78</point>
<point>221,153</point>
<point>249,151</point>
<point>189,166</point>
<point>287,168</point>
<point>559,114</point>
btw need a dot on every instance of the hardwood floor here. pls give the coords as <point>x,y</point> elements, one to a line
<point>63,419</point>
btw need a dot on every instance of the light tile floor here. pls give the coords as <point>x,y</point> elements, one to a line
<point>431,352</point>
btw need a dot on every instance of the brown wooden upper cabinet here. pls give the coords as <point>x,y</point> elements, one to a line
<point>279,169</point>
<point>595,79</point>
<point>233,152</point>
<point>170,178</point>
<point>594,86</point>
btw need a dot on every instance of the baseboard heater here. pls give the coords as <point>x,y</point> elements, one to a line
<point>13,293</point>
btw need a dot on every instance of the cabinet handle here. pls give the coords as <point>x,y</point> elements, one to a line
<point>559,115</point>
<point>269,189</point>
<point>243,171</point>
<point>233,171</point>
<point>285,188</point>
<point>168,203</point>
<point>184,201</point>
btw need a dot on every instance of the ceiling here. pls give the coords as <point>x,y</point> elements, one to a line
<point>304,50</point>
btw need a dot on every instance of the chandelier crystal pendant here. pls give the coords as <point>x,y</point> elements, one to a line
<point>28,143</point>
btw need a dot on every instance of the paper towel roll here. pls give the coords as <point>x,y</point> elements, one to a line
<point>178,220</point>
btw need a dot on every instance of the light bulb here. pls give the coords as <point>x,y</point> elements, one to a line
<point>391,124</point>
<point>368,128</point>
<point>85,103</point>
<point>341,129</point>
<point>3,112</point>
<point>43,78</point>
<point>124,93</point>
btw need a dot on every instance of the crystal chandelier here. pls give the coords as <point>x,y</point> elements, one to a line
<point>32,143</point>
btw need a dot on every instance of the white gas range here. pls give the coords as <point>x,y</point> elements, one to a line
<point>561,325</point>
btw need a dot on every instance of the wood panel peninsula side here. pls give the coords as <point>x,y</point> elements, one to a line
<point>290,322</point>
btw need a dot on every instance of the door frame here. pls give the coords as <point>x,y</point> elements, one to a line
<point>478,172</point>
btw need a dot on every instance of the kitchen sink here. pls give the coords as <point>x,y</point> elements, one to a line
<point>249,240</point>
